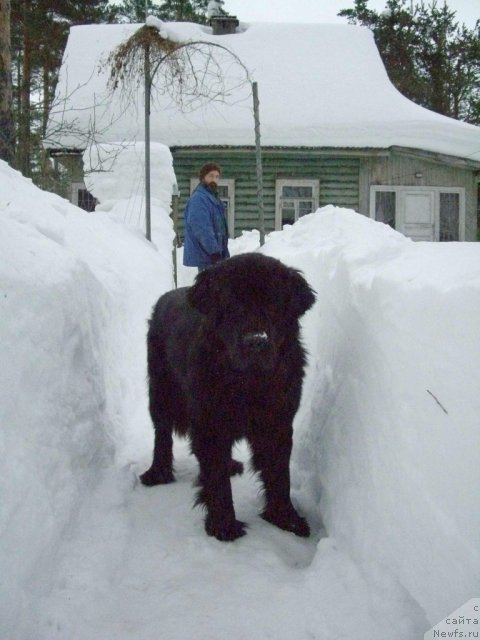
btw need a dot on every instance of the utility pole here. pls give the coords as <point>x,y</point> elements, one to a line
<point>258,158</point>
<point>176,241</point>
<point>148,88</point>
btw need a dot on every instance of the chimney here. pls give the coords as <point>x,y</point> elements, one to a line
<point>223,25</point>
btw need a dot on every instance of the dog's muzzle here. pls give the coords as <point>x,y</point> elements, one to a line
<point>256,341</point>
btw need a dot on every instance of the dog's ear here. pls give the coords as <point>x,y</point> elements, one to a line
<point>201,295</point>
<point>300,296</point>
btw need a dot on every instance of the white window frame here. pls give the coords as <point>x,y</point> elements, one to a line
<point>293,182</point>
<point>230,184</point>
<point>398,190</point>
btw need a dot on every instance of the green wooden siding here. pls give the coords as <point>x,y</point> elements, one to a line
<point>338,178</point>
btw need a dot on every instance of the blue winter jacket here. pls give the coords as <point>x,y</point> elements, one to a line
<point>206,231</point>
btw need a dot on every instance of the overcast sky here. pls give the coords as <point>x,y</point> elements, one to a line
<point>326,10</point>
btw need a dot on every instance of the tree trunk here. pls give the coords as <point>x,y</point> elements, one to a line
<point>24,133</point>
<point>6,111</point>
<point>46,97</point>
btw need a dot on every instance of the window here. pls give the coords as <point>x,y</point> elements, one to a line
<point>421,213</point>
<point>226,193</point>
<point>82,197</point>
<point>449,216</point>
<point>385,207</point>
<point>294,199</point>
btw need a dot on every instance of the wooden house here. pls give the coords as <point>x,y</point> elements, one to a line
<point>333,128</point>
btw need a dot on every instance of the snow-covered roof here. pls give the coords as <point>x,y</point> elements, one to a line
<point>320,85</point>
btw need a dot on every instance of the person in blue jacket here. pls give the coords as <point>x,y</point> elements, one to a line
<point>206,230</point>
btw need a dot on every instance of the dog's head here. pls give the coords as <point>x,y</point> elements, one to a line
<point>252,303</point>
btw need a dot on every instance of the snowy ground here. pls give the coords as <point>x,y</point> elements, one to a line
<point>385,465</point>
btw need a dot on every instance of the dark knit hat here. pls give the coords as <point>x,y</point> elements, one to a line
<point>210,166</point>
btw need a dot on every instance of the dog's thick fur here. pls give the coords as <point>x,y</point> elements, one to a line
<point>225,362</point>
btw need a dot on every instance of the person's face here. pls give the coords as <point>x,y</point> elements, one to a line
<point>211,179</point>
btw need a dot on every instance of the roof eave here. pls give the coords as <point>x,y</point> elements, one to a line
<point>438,158</point>
<point>422,154</point>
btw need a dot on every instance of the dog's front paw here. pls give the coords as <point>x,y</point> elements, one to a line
<point>152,477</point>
<point>225,531</point>
<point>288,521</point>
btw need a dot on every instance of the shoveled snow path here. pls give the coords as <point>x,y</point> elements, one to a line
<point>139,566</point>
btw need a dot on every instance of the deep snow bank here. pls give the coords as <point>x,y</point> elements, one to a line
<point>388,431</point>
<point>115,175</point>
<point>385,445</point>
<point>75,292</point>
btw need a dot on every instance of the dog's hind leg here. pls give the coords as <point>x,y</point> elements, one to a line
<point>161,470</point>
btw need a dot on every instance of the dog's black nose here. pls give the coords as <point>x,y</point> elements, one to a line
<point>256,341</point>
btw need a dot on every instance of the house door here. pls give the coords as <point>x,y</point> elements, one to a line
<point>416,215</point>
<point>422,213</point>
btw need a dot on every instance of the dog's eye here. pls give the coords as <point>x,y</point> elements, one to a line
<point>271,310</point>
<point>225,314</point>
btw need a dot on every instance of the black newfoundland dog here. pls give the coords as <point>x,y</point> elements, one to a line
<point>224,363</point>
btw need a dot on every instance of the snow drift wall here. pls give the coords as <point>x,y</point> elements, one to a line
<point>52,402</point>
<point>115,175</point>
<point>386,437</point>
<point>73,309</point>
<point>388,431</point>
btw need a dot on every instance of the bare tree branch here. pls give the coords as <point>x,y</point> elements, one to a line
<point>190,73</point>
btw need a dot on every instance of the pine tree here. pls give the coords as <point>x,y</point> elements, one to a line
<point>134,10</point>
<point>450,57</point>
<point>170,10</point>
<point>184,10</point>
<point>39,33</point>
<point>437,29</point>
<point>464,86</point>
<point>428,57</point>
<point>6,113</point>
